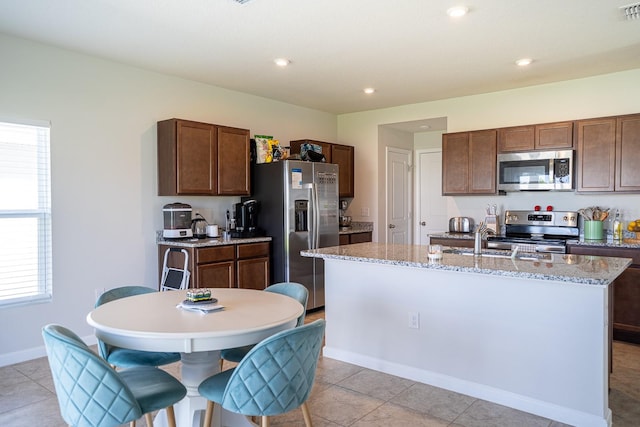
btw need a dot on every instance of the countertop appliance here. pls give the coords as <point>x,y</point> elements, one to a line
<point>536,170</point>
<point>199,227</point>
<point>536,231</point>
<point>177,221</point>
<point>246,219</point>
<point>460,224</point>
<point>299,210</point>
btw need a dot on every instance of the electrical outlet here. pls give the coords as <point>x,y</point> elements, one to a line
<point>414,320</point>
<point>364,212</point>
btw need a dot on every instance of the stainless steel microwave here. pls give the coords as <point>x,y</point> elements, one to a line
<point>536,170</point>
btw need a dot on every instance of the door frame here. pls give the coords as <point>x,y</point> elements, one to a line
<point>410,196</point>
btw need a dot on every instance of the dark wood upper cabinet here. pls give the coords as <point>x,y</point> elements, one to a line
<point>517,138</point>
<point>202,159</point>
<point>596,154</point>
<point>609,154</point>
<point>455,163</point>
<point>628,153</point>
<point>469,162</point>
<point>341,155</point>
<point>547,136</point>
<point>233,161</point>
<point>551,136</point>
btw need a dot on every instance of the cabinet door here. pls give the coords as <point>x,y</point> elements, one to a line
<point>343,239</point>
<point>482,161</point>
<point>550,136</point>
<point>628,153</point>
<point>233,160</point>
<point>518,138</point>
<point>596,154</point>
<point>186,157</point>
<point>253,273</point>
<point>455,163</point>
<point>216,275</point>
<point>195,157</point>
<point>343,156</point>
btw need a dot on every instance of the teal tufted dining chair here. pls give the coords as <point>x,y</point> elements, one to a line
<point>124,357</point>
<point>290,289</point>
<point>275,377</point>
<point>92,394</point>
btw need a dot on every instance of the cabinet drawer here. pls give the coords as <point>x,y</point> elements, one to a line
<point>360,237</point>
<point>344,239</point>
<point>215,254</point>
<point>253,250</point>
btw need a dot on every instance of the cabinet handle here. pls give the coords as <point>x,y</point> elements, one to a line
<point>423,223</point>
<point>392,226</point>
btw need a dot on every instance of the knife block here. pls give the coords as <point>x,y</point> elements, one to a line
<point>492,224</point>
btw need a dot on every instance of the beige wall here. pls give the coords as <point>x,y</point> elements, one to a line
<point>606,95</point>
<point>103,153</point>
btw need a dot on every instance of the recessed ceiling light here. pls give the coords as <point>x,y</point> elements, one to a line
<point>524,62</point>
<point>282,62</point>
<point>369,90</point>
<point>457,11</point>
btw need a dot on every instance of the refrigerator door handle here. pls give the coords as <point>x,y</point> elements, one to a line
<point>312,216</point>
<point>316,216</point>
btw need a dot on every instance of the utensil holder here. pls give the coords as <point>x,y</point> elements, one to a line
<point>593,230</point>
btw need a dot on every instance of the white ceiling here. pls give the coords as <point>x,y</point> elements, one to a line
<point>409,50</point>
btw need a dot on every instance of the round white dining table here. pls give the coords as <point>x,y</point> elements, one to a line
<point>153,322</point>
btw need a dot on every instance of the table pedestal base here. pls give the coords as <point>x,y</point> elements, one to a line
<point>197,367</point>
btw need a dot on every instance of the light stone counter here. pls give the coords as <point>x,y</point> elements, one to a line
<point>209,241</point>
<point>591,270</point>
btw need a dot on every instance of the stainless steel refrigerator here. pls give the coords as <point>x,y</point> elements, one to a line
<point>298,208</point>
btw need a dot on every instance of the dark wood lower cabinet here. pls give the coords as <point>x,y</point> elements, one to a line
<point>349,239</point>
<point>626,291</point>
<point>229,266</point>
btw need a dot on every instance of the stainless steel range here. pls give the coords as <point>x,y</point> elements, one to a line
<point>536,231</point>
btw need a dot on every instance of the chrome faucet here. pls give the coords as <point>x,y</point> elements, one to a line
<point>481,233</point>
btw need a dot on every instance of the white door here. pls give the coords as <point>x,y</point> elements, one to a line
<point>398,196</point>
<point>431,205</point>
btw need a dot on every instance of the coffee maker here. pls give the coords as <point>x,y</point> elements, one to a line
<point>246,216</point>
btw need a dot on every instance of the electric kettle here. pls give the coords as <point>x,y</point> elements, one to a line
<point>199,227</point>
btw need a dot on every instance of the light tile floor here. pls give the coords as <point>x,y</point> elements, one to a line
<point>345,395</point>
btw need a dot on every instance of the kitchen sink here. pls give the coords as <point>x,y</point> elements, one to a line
<point>488,253</point>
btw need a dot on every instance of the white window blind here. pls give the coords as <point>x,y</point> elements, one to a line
<point>25,213</point>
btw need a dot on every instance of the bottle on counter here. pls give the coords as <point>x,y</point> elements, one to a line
<point>617,227</point>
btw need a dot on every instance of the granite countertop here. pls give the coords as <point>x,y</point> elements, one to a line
<point>209,241</point>
<point>357,227</point>
<point>589,270</point>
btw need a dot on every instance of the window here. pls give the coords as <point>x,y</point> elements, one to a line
<point>25,213</point>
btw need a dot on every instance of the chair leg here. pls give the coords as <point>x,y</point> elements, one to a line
<point>208,414</point>
<point>132,423</point>
<point>171,416</point>
<point>306,414</point>
<point>149,419</point>
<point>221,363</point>
<point>265,421</point>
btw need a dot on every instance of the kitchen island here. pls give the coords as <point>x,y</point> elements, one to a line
<point>531,333</point>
